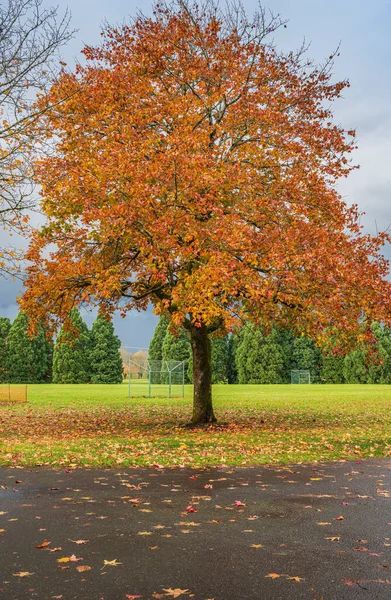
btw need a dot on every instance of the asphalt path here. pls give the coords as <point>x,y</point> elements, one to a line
<point>314,532</point>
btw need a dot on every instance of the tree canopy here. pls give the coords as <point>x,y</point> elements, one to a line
<point>197,170</point>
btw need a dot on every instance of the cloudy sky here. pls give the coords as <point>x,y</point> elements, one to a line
<point>362,30</point>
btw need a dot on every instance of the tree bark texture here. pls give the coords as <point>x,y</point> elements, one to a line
<point>202,375</point>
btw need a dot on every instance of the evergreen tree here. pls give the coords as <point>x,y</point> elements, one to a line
<point>176,348</point>
<point>105,358</point>
<point>233,344</point>
<point>155,350</point>
<point>49,354</point>
<point>26,357</point>
<point>355,369</point>
<point>380,372</point>
<point>260,357</point>
<point>219,359</point>
<point>360,367</point>
<point>71,353</point>
<point>332,369</point>
<point>307,357</point>
<point>5,326</point>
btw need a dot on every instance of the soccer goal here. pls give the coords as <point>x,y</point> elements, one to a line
<point>153,378</point>
<point>13,393</point>
<point>298,376</point>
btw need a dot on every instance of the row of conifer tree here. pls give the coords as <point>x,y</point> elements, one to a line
<point>251,356</point>
<point>92,357</point>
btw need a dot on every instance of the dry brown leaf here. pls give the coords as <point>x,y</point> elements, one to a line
<point>82,568</point>
<point>44,544</point>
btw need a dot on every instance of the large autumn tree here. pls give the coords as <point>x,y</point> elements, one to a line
<point>197,170</point>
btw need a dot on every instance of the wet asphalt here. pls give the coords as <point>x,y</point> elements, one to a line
<point>313,532</point>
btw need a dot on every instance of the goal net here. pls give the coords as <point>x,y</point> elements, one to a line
<point>152,378</point>
<point>298,376</point>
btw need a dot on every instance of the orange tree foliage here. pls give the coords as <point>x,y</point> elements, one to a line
<point>195,169</point>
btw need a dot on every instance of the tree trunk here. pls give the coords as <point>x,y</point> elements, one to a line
<point>202,375</point>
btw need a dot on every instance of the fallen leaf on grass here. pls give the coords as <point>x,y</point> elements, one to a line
<point>361,549</point>
<point>144,533</point>
<point>239,503</point>
<point>22,574</point>
<point>175,593</point>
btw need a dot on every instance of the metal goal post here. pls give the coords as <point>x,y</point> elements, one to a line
<point>298,376</point>
<point>150,378</point>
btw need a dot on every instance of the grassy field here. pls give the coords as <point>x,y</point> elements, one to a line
<point>97,425</point>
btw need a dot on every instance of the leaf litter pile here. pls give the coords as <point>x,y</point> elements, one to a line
<point>148,432</point>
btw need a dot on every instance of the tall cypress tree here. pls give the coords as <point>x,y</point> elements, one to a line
<point>176,348</point>
<point>105,358</point>
<point>355,368</point>
<point>332,369</point>
<point>155,350</point>
<point>71,362</point>
<point>306,356</point>
<point>5,326</point>
<point>219,359</point>
<point>260,357</point>
<point>26,357</point>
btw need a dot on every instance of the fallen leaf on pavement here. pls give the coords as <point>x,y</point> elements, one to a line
<point>191,509</point>
<point>111,563</point>
<point>22,574</point>
<point>272,575</point>
<point>82,568</point>
<point>43,545</point>
<point>79,541</point>
<point>175,593</point>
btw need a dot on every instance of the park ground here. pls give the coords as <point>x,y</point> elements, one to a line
<point>288,532</point>
<point>99,426</point>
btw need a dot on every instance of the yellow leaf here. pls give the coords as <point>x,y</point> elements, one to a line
<point>22,574</point>
<point>64,559</point>
<point>175,593</point>
<point>272,575</point>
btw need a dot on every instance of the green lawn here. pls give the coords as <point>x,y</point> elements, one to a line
<point>93,425</point>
